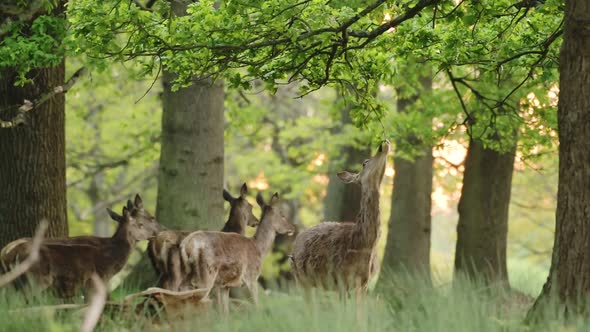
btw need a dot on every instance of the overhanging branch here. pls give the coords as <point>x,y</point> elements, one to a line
<point>28,105</point>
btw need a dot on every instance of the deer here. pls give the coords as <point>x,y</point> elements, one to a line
<point>67,265</point>
<point>342,255</point>
<point>164,250</point>
<point>226,260</point>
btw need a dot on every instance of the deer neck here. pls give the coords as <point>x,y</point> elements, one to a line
<point>122,236</point>
<point>264,237</point>
<point>235,223</point>
<point>368,222</point>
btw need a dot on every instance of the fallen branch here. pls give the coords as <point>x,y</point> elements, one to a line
<point>156,290</point>
<point>96,305</point>
<point>29,105</point>
<point>33,257</point>
<point>65,306</point>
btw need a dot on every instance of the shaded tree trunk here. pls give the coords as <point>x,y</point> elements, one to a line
<point>408,239</point>
<point>483,214</point>
<point>33,163</point>
<point>569,275</point>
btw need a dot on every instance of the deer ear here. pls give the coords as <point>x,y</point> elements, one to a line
<point>227,196</point>
<point>243,190</point>
<point>116,217</point>
<point>260,200</point>
<point>274,199</point>
<point>138,201</point>
<point>347,177</point>
<point>125,213</point>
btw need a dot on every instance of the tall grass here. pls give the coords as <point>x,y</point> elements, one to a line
<point>403,305</point>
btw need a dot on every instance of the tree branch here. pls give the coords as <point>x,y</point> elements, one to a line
<point>28,105</point>
<point>33,257</point>
<point>96,305</point>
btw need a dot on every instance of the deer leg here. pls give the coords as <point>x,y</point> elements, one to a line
<point>218,297</point>
<point>224,294</point>
<point>253,288</point>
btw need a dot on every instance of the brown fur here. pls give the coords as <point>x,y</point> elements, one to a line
<point>341,255</point>
<point>225,260</point>
<point>164,250</point>
<point>66,265</point>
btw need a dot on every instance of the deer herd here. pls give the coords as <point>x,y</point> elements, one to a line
<point>332,255</point>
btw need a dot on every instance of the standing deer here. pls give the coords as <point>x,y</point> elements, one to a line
<point>164,250</point>
<point>342,255</point>
<point>66,265</point>
<point>225,260</point>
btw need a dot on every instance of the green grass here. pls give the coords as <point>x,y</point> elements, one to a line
<point>411,307</point>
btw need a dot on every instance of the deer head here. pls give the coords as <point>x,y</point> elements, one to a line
<point>272,213</point>
<point>373,169</point>
<point>241,205</point>
<point>139,223</point>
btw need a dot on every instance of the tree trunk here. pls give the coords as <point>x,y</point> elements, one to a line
<point>190,180</point>
<point>33,163</point>
<point>483,214</point>
<point>569,276</point>
<point>408,239</point>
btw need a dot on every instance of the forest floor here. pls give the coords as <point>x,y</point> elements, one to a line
<point>460,307</point>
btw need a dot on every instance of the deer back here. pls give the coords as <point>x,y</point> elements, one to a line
<point>219,259</point>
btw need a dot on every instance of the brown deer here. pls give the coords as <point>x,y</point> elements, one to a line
<point>224,260</point>
<point>341,255</point>
<point>66,265</point>
<point>164,250</point>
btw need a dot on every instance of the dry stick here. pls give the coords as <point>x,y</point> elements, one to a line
<point>157,290</point>
<point>96,306</point>
<point>28,105</point>
<point>64,306</point>
<point>25,265</point>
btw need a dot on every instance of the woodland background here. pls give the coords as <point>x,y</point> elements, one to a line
<point>178,100</point>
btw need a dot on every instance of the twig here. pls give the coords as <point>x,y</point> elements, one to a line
<point>28,105</point>
<point>64,306</point>
<point>33,257</point>
<point>96,305</point>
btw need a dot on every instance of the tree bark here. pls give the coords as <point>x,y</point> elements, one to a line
<point>33,163</point>
<point>190,180</point>
<point>408,240</point>
<point>569,275</point>
<point>483,214</point>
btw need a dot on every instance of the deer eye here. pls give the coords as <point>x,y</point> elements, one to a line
<point>365,162</point>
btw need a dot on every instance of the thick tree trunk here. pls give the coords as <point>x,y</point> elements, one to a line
<point>408,238</point>
<point>190,180</point>
<point>33,163</point>
<point>569,276</point>
<point>483,214</point>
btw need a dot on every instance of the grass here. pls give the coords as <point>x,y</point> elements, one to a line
<point>464,307</point>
